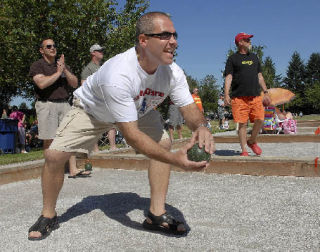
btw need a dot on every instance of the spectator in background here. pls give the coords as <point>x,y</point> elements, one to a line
<point>34,141</point>
<point>175,120</point>
<point>4,114</point>
<point>20,116</point>
<point>301,114</point>
<point>243,74</point>
<point>197,100</point>
<point>96,52</point>
<point>52,79</point>
<point>221,112</point>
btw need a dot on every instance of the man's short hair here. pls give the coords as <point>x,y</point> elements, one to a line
<point>145,23</point>
<point>41,42</point>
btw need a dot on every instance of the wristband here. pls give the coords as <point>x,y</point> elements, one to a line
<point>265,92</point>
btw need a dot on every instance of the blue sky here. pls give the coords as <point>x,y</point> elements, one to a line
<point>207,29</point>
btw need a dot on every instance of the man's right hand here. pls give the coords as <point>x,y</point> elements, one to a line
<point>227,100</point>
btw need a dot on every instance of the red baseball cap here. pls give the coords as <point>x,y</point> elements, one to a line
<point>240,36</point>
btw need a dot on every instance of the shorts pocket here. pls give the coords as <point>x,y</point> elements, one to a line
<point>67,120</point>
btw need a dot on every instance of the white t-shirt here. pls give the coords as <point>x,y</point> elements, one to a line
<point>121,91</point>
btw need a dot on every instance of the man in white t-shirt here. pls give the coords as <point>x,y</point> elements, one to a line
<point>124,91</point>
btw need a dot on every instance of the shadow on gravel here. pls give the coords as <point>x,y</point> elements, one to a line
<point>116,206</point>
<point>226,153</point>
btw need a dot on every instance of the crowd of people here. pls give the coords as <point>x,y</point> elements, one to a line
<point>27,135</point>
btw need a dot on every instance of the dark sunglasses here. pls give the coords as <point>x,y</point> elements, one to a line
<point>50,46</point>
<point>164,35</point>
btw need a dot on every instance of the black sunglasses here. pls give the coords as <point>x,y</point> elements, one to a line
<point>50,46</point>
<point>164,35</point>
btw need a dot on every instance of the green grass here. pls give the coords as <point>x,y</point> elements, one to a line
<point>21,157</point>
<point>186,132</point>
<point>308,117</point>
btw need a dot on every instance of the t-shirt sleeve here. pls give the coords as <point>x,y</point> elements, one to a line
<point>35,69</point>
<point>85,73</point>
<point>229,67</point>
<point>180,94</point>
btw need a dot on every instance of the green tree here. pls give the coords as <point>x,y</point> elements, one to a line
<point>74,25</point>
<point>269,73</point>
<point>312,80</point>
<point>209,93</point>
<point>192,82</point>
<point>313,69</point>
<point>312,96</point>
<point>294,80</point>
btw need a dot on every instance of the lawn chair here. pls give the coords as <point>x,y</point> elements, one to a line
<point>269,124</point>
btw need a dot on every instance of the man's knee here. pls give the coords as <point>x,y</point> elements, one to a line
<point>56,157</point>
<point>242,125</point>
<point>46,143</point>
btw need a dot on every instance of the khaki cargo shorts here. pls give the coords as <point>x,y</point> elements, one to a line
<point>79,131</point>
<point>50,115</point>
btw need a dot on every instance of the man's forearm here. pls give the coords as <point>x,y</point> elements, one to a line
<point>72,79</point>
<point>262,83</point>
<point>193,117</point>
<point>227,84</point>
<point>43,81</point>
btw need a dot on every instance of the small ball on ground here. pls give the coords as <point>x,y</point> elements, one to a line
<point>88,167</point>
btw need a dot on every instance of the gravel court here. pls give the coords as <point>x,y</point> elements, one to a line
<point>223,212</point>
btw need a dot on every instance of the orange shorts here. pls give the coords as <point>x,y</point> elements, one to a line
<point>247,107</point>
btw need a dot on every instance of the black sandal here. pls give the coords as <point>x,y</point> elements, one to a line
<point>158,221</point>
<point>44,226</point>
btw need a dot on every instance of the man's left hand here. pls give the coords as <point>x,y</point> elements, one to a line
<point>266,100</point>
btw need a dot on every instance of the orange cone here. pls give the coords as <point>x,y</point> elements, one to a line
<point>317,132</point>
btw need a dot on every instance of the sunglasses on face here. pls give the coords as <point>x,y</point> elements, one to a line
<point>246,40</point>
<point>164,35</point>
<point>50,46</point>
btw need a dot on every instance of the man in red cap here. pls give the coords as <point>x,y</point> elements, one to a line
<point>243,74</point>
